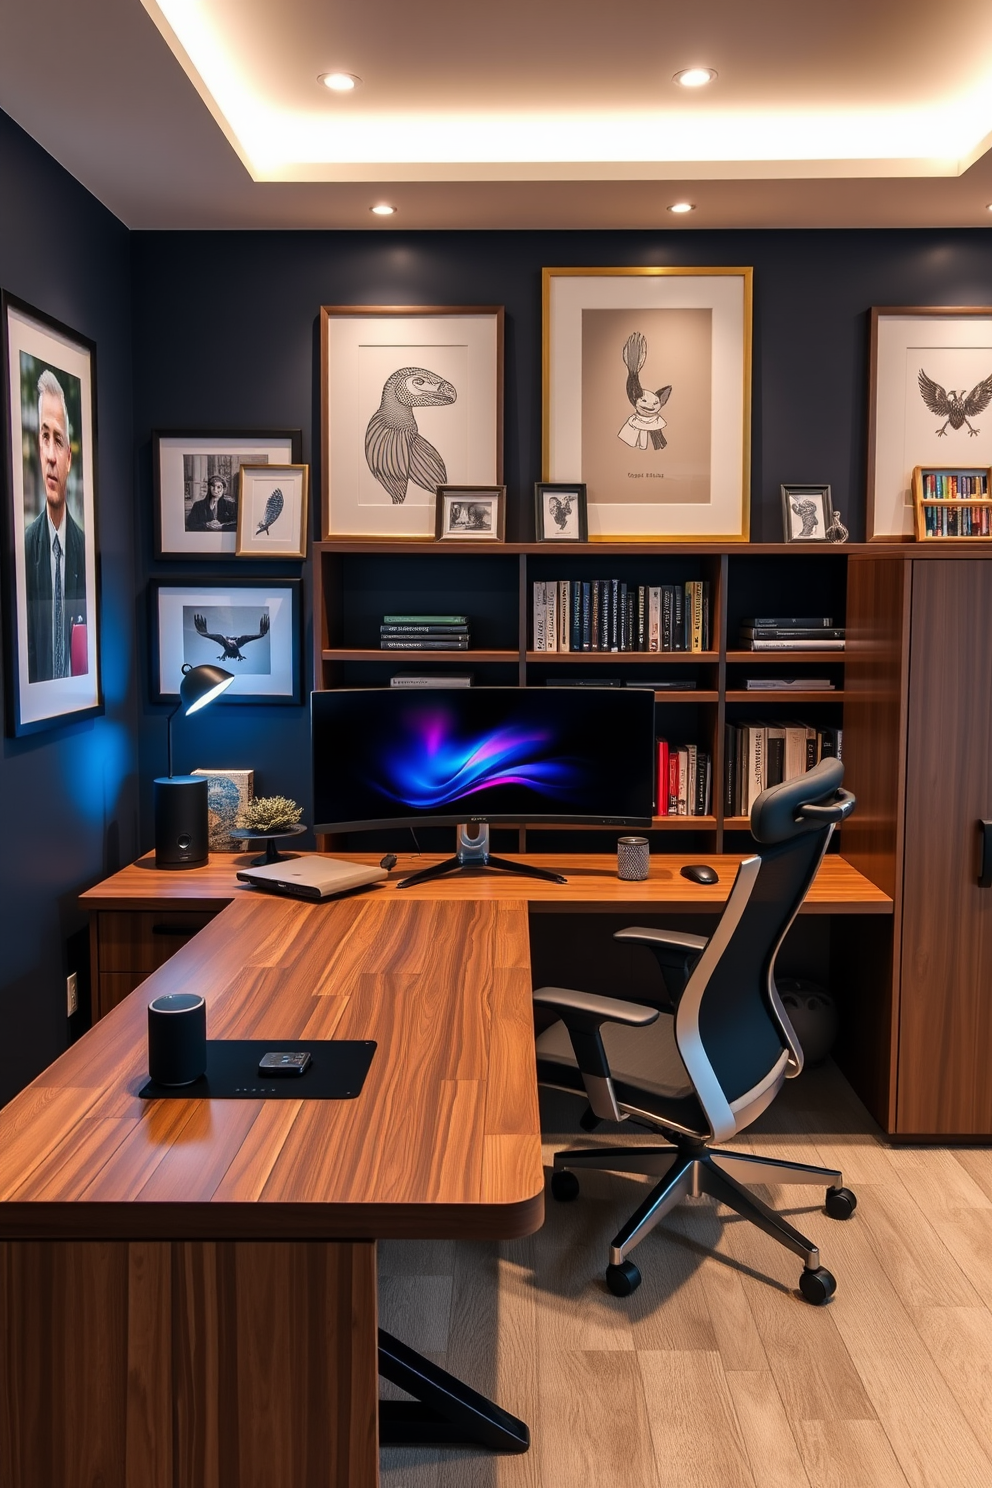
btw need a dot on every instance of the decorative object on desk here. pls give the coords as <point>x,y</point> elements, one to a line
<point>647,339</point>
<point>177,1038</point>
<point>952,502</point>
<point>813,1015</point>
<point>249,625</point>
<point>272,511</point>
<point>268,819</point>
<point>633,859</point>
<point>198,485</point>
<point>411,399</point>
<point>930,390</point>
<point>49,543</point>
<point>560,512</point>
<point>228,793</point>
<point>181,801</point>
<point>807,513</point>
<point>470,513</point>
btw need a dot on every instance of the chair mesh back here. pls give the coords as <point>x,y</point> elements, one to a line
<point>740,1033</point>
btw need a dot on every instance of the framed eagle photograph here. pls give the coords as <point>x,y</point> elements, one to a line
<point>411,399</point>
<point>250,627</point>
<point>929,404</point>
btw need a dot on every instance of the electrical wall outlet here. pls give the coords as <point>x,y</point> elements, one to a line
<point>71,995</point>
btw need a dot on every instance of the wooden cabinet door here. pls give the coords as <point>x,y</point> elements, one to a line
<point>945,1020</point>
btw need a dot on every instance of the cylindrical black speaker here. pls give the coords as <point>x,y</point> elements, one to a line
<point>177,1038</point>
<point>181,831</point>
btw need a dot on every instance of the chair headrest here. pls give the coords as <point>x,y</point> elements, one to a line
<point>805,804</point>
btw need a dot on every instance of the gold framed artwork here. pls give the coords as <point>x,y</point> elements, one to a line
<point>647,399</point>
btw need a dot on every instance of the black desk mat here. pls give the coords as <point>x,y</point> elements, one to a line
<point>337,1071</point>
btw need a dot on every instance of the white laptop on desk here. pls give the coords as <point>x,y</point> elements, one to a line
<point>312,877</point>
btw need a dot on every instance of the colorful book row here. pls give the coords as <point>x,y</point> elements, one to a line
<point>758,755</point>
<point>610,615</point>
<point>685,780</point>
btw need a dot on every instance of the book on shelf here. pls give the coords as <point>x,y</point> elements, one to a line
<point>793,645</point>
<point>584,682</point>
<point>792,632</point>
<point>788,622</point>
<point>425,619</point>
<point>401,631</point>
<point>789,684</point>
<point>611,615</point>
<point>759,755</point>
<point>685,780</point>
<point>423,679</point>
<point>424,643</point>
<point>664,684</point>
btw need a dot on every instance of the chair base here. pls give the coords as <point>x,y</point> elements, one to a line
<point>691,1168</point>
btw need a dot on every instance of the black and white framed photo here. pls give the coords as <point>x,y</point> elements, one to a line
<point>470,513</point>
<point>560,512</point>
<point>197,476</point>
<point>50,548</point>
<point>249,627</point>
<point>807,514</point>
<point>272,511</point>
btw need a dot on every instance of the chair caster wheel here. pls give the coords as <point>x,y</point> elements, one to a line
<point>817,1286</point>
<point>564,1187</point>
<point>624,1279</point>
<point>840,1203</point>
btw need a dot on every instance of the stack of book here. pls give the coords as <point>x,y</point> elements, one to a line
<point>685,780</point>
<point>424,679</point>
<point>424,633</point>
<point>792,633</point>
<point>758,755</point>
<point>610,615</point>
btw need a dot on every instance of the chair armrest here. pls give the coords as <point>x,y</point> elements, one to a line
<point>587,1011</point>
<point>677,940</point>
<point>676,952</point>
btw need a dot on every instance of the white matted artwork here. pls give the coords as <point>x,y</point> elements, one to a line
<point>250,629</point>
<point>411,399</point>
<point>647,398</point>
<point>272,511</point>
<point>197,485</point>
<point>930,404</point>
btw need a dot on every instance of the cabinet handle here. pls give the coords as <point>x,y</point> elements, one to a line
<point>186,930</point>
<point>985,871</point>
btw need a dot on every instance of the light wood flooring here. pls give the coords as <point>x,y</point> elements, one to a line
<point>716,1374</point>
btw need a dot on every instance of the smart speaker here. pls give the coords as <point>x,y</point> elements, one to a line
<point>177,1038</point>
<point>181,828</point>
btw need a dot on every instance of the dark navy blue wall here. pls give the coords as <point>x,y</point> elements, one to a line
<point>68,800</point>
<point>226,335</point>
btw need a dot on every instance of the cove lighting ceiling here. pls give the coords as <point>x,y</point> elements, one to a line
<point>555,90</point>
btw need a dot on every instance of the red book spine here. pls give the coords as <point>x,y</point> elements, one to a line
<point>663,772</point>
<point>673,782</point>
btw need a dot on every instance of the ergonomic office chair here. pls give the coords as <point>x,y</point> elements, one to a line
<point>704,1062</point>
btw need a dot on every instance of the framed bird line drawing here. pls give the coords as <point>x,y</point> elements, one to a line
<point>411,399</point>
<point>929,404</point>
<point>272,511</point>
<point>197,484</point>
<point>647,399</point>
<point>251,627</point>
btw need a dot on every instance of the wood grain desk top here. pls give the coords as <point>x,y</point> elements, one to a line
<point>592,885</point>
<point>443,1141</point>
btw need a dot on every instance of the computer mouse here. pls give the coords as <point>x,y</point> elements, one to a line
<point>700,873</point>
<point>389,861</point>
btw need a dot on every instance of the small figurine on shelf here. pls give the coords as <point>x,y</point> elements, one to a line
<point>837,532</point>
<point>265,819</point>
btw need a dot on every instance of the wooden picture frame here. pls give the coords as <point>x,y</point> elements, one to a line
<point>388,441</point>
<point>51,551</point>
<point>470,514</point>
<point>273,511</point>
<point>950,347</point>
<point>667,457</point>
<point>196,484</point>
<point>560,514</point>
<point>250,626</point>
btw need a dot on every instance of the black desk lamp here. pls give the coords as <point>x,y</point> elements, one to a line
<point>181,828</point>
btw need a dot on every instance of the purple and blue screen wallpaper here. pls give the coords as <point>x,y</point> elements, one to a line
<point>516,753</point>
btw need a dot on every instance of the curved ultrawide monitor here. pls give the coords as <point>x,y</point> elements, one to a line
<point>395,757</point>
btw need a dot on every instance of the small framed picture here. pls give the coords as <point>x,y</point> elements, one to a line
<point>560,512</point>
<point>807,514</point>
<point>272,511</point>
<point>198,485</point>
<point>247,626</point>
<point>470,513</point>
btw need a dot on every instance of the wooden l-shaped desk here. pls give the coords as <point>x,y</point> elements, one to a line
<point>188,1288</point>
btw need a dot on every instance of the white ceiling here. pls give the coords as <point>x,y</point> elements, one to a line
<point>529,114</point>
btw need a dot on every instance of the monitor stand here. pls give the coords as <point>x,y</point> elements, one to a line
<point>473,852</point>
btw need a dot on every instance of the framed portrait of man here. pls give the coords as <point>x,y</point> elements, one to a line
<point>50,553</point>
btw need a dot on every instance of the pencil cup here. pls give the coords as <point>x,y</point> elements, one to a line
<point>177,1038</point>
<point>633,858</point>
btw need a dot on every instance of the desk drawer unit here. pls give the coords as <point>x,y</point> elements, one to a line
<point>128,945</point>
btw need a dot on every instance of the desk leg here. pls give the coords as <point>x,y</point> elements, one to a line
<point>444,1411</point>
<point>191,1364</point>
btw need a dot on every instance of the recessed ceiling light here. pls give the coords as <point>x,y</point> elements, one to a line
<point>682,207</point>
<point>695,77</point>
<point>339,82</point>
<point>383,209</point>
